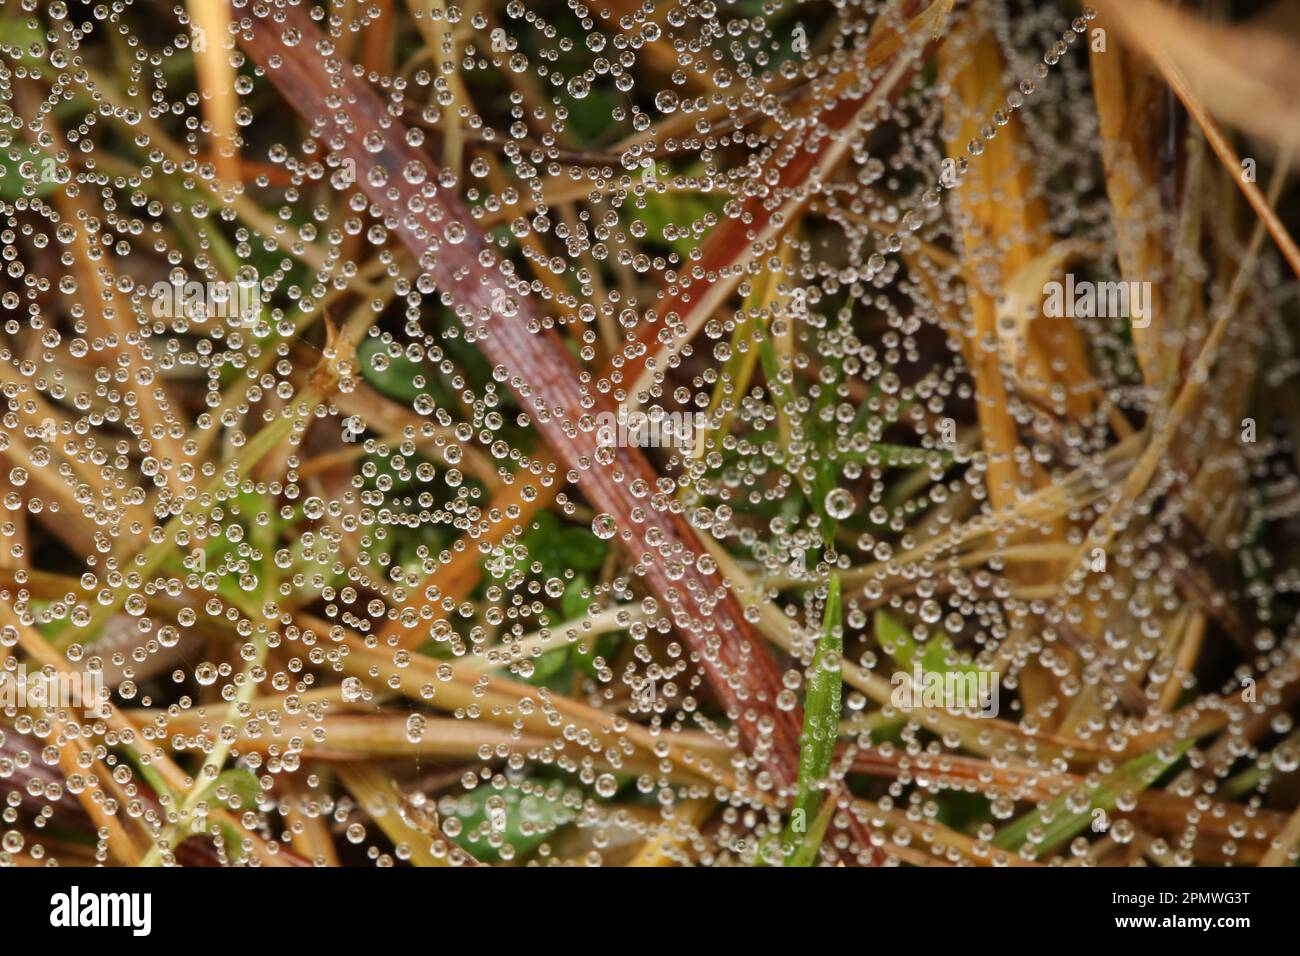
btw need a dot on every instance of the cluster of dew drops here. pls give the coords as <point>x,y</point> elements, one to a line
<point>220,604</point>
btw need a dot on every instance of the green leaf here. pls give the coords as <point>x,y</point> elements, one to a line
<point>549,665</point>
<point>592,115</point>
<point>238,789</point>
<point>682,210</point>
<point>17,37</point>
<point>962,811</point>
<point>529,820</point>
<point>574,604</point>
<point>28,169</point>
<point>558,547</point>
<point>894,639</point>
<point>936,654</point>
<point>477,369</point>
<point>398,378</point>
<point>822,703</point>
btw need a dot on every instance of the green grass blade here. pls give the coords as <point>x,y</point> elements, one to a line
<point>1136,775</point>
<point>805,854</point>
<point>820,725</point>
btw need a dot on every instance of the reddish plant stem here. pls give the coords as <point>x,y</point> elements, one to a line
<point>777,195</point>
<point>529,356</point>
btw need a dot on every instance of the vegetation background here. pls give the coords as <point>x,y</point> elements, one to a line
<point>363,583</point>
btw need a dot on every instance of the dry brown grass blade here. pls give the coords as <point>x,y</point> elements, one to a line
<point>1124,117</point>
<point>1139,20</point>
<point>1168,426</point>
<point>212,44</point>
<point>1004,233</point>
<point>378,38</point>
<point>500,700</point>
<point>311,836</point>
<point>668,847</point>
<point>998,430</point>
<point>1244,73</point>
<point>440,43</point>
